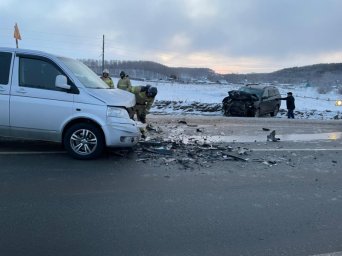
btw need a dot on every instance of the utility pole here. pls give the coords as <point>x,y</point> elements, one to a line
<point>103,47</point>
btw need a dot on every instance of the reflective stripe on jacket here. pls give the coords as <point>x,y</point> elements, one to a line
<point>108,81</point>
<point>141,98</point>
<point>124,84</point>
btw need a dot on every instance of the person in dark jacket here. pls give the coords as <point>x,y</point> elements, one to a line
<point>290,104</point>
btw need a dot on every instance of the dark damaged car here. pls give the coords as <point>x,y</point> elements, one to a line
<point>252,100</point>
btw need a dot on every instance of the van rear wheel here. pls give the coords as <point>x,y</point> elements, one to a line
<point>84,141</point>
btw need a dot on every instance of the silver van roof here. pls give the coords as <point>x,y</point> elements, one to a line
<point>27,51</point>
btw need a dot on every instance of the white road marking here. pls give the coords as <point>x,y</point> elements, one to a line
<point>295,149</point>
<point>252,149</point>
<point>329,254</point>
<point>32,152</point>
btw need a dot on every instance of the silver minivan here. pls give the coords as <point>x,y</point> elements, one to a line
<point>46,97</point>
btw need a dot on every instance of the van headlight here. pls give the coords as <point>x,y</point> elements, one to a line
<point>338,103</point>
<point>117,112</point>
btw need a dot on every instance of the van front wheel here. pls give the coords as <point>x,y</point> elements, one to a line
<point>84,141</point>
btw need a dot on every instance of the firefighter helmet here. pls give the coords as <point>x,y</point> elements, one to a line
<point>122,74</point>
<point>152,92</point>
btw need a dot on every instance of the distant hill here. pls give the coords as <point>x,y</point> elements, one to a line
<point>319,74</point>
<point>149,70</point>
<point>316,75</point>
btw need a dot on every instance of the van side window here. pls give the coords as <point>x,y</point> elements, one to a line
<point>36,73</point>
<point>5,66</point>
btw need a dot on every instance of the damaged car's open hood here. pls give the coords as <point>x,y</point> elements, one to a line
<point>244,96</point>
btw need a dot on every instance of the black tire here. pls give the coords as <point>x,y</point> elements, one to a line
<point>84,141</point>
<point>275,112</point>
<point>225,111</point>
<point>257,113</point>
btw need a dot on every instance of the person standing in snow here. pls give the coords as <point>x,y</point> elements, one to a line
<point>290,105</point>
<point>124,83</point>
<point>107,79</point>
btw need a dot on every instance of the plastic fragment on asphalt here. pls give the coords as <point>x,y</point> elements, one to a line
<point>271,137</point>
<point>161,151</point>
<point>235,157</point>
<point>142,160</point>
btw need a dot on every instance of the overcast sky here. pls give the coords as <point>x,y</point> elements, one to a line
<point>229,36</point>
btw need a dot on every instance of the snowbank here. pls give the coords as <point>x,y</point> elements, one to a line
<point>205,99</point>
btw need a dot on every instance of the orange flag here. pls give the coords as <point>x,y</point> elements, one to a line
<point>16,32</point>
<point>17,35</point>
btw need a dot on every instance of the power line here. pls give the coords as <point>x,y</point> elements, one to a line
<point>53,33</point>
<point>119,50</point>
<point>109,42</point>
<point>62,41</point>
<point>316,98</point>
<point>103,51</point>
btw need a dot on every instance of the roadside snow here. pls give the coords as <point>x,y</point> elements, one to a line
<point>205,99</point>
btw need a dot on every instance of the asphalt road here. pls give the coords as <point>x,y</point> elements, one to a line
<point>51,204</point>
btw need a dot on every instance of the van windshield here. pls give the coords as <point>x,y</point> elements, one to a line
<point>256,91</point>
<point>86,76</point>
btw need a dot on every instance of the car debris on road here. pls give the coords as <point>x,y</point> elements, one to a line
<point>194,153</point>
<point>272,137</point>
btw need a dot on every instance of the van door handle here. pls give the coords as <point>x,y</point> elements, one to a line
<point>21,91</point>
<point>2,89</point>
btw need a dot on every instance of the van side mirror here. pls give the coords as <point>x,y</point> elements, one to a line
<point>62,82</point>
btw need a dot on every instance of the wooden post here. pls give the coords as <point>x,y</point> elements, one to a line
<point>103,45</point>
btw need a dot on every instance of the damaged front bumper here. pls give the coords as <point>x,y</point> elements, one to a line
<point>239,104</point>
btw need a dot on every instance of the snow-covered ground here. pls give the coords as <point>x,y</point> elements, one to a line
<point>205,99</point>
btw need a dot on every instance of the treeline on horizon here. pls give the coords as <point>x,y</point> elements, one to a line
<point>315,75</point>
<point>148,70</point>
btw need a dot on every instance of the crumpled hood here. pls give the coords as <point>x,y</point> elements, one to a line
<point>242,96</point>
<point>114,97</point>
